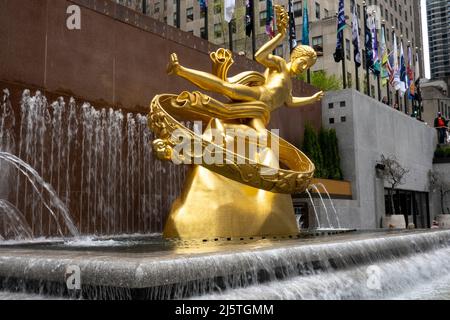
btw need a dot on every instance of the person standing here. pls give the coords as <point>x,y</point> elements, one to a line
<point>440,123</point>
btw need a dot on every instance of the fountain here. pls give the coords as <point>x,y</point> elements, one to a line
<point>85,200</point>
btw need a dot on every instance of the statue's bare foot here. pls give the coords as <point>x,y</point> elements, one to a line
<point>174,64</point>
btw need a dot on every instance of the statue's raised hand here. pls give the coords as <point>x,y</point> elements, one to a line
<point>282,19</point>
<point>174,64</point>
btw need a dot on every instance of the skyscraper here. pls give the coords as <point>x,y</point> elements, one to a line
<point>438,13</point>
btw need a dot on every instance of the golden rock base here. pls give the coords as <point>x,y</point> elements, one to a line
<point>212,206</point>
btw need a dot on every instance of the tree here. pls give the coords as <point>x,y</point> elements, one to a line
<point>440,185</point>
<point>394,174</point>
<point>323,81</point>
<point>335,171</point>
<point>312,149</point>
<point>327,160</point>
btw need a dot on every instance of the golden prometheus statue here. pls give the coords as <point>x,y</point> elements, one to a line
<point>240,193</point>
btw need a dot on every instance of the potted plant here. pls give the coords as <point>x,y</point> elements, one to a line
<point>438,184</point>
<point>394,174</point>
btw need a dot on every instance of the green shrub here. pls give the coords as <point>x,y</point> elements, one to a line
<point>312,149</point>
<point>323,151</point>
<point>442,152</point>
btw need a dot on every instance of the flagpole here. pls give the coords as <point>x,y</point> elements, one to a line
<point>230,35</point>
<point>357,77</point>
<point>344,74</point>
<point>388,91</point>
<point>144,7</point>
<point>178,5</point>
<point>206,23</point>
<point>379,87</point>
<point>365,37</point>
<point>253,30</point>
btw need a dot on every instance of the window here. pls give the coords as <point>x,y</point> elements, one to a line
<point>156,7</point>
<point>279,51</point>
<point>317,43</point>
<point>331,106</point>
<point>317,11</point>
<point>217,7</point>
<point>190,14</point>
<point>331,120</point>
<point>262,18</point>
<point>203,33</point>
<point>298,10</point>
<point>342,104</point>
<point>217,30</point>
<point>343,119</point>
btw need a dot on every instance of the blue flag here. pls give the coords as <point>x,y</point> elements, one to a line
<point>305,31</point>
<point>339,54</point>
<point>368,43</point>
<point>203,4</point>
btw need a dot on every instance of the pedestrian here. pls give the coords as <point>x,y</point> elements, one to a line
<point>441,126</point>
<point>385,100</point>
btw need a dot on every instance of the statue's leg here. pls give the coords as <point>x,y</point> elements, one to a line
<point>210,82</point>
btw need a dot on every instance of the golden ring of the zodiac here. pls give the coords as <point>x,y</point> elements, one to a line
<point>295,179</point>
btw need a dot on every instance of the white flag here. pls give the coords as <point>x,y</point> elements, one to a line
<point>230,5</point>
<point>417,68</point>
<point>396,69</point>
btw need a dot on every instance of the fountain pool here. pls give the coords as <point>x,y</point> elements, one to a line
<point>357,265</point>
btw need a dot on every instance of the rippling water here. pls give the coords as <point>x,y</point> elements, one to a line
<point>421,276</point>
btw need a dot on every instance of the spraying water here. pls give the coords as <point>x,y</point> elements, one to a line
<point>314,208</point>
<point>14,225</point>
<point>99,161</point>
<point>37,183</point>
<point>331,203</point>
<point>323,204</point>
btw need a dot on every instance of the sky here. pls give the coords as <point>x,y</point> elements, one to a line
<point>426,49</point>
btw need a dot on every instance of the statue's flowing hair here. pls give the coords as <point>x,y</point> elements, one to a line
<point>305,52</point>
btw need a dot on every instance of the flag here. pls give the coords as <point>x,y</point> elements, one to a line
<point>355,38</point>
<point>249,18</point>
<point>339,54</point>
<point>411,79</point>
<point>230,5</point>
<point>203,4</point>
<point>269,18</point>
<point>384,59</point>
<point>368,43</point>
<point>417,68</point>
<point>403,75</point>
<point>376,60</point>
<point>390,68</point>
<point>396,70</point>
<point>292,30</point>
<point>305,30</point>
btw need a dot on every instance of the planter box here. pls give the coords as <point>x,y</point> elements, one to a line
<point>443,221</point>
<point>394,222</point>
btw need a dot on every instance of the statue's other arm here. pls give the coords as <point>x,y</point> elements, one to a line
<point>295,102</point>
<point>264,55</point>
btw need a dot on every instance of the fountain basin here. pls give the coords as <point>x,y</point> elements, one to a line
<point>156,269</point>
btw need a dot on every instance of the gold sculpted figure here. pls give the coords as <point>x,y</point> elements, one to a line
<point>235,199</point>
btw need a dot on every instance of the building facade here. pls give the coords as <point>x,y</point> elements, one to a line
<point>367,129</point>
<point>438,14</point>
<point>399,17</point>
<point>435,98</point>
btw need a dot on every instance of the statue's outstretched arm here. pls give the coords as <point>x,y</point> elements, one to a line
<point>264,55</point>
<point>296,102</point>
